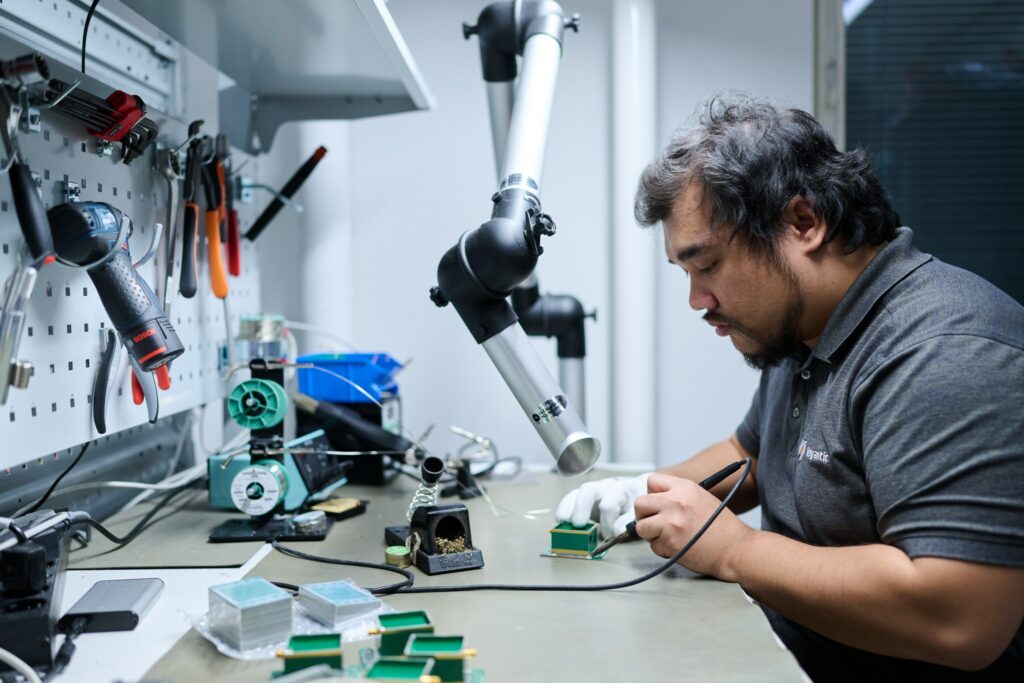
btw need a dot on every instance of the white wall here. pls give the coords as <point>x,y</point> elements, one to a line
<point>395,192</point>
<point>764,49</point>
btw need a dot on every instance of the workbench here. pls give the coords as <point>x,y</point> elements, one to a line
<point>677,626</point>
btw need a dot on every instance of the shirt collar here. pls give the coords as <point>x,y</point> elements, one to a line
<point>891,264</point>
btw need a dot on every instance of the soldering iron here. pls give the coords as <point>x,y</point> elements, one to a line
<point>86,233</point>
<point>706,484</point>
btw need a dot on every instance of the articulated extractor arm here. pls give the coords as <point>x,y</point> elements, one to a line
<point>479,273</point>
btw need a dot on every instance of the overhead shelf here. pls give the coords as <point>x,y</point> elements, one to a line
<point>295,59</point>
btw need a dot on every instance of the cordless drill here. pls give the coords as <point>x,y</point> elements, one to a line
<point>83,232</point>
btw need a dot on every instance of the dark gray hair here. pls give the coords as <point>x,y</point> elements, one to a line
<point>751,159</point>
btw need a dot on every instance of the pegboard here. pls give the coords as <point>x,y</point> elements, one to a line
<point>65,319</point>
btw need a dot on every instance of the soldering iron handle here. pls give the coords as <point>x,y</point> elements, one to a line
<point>222,191</point>
<point>31,213</point>
<point>189,244</point>
<point>345,421</point>
<point>721,475</point>
<point>234,246</point>
<point>218,278</point>
<point>290,188</point>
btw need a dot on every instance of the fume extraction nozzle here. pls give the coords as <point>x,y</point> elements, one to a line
<point>559,425</point>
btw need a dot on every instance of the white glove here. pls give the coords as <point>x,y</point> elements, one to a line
<point>608,501</point>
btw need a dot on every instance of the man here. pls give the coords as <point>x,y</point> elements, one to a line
<point>887,432</point>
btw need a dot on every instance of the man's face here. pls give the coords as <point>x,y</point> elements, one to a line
<point>755,302</point>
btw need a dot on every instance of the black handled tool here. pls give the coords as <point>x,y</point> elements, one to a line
<point>17,77</point>
<point>31,214</point>
<point>83,233</point>
<point>290,188</point>
<point>630,532</point>
<point>187,283</point>
<point>346,420</point>
<point>105,373</point>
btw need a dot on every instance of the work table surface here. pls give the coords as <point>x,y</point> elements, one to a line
<point>677,626</point>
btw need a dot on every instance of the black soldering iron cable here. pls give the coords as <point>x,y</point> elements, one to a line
<point>408,588</point>
<point>380,590</point>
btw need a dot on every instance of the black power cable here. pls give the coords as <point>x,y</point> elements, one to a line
<point>141,526</point>
<point>67,648</point>
<point>379,590</point>
<point>407,587</point>
<point>85,31</point>
<point>53,486</point>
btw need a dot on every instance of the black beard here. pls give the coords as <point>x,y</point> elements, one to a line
<point>784,343</point>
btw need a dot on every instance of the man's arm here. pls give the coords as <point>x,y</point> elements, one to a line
<point>714,458</point>
<point>873,597</point>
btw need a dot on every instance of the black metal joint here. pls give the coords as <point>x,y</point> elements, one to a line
<point>495,27</point>
<point>481,270</point>
<point>502,37</point>
<point>553,315</point>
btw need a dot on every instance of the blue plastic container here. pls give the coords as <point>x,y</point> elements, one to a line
<point>371,371</point>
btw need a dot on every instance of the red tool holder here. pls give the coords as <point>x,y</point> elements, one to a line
<point>126,111</point>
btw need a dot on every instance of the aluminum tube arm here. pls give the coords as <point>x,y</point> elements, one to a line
<point>478,273</point>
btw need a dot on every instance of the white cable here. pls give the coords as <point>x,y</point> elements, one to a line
<point>313,329</point>
<point>186,429</point>
<point>187,475</point>
<point>113,485</point>
<point>167,484</point>
<point>19,666</point>
<point>164,485</point>
<point>293,352</point>
<point>293,345</point>
<point>174,481</point>
<point>355,386</point>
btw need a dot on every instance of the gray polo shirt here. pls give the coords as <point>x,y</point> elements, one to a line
<point>905,426</point>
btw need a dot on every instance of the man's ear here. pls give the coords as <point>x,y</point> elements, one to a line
<point>806,227</point>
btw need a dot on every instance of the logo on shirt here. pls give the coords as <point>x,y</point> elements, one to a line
<point>805,452</point>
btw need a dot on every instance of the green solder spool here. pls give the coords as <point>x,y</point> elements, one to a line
<point>258,404</point>
<point>398,556</point>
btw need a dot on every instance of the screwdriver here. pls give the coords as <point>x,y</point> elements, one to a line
<point>630,532</point>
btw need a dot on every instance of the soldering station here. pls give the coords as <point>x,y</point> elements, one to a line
<point>281,378</point>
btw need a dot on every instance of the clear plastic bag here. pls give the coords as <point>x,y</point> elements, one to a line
<point>354,630</point>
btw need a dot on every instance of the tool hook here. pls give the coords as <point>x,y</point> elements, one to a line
<point>158,229</point>
<point>287,201</point>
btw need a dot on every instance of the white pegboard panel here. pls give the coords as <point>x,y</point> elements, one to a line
<point>119,55</point>
<point>65,316</point>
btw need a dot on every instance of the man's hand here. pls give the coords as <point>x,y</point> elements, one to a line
<point>672,512</point>
<point>609,501</point>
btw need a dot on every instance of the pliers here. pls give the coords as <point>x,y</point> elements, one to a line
<point>144,384</point>
<point>213,186</point>
<point>187,284</point>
